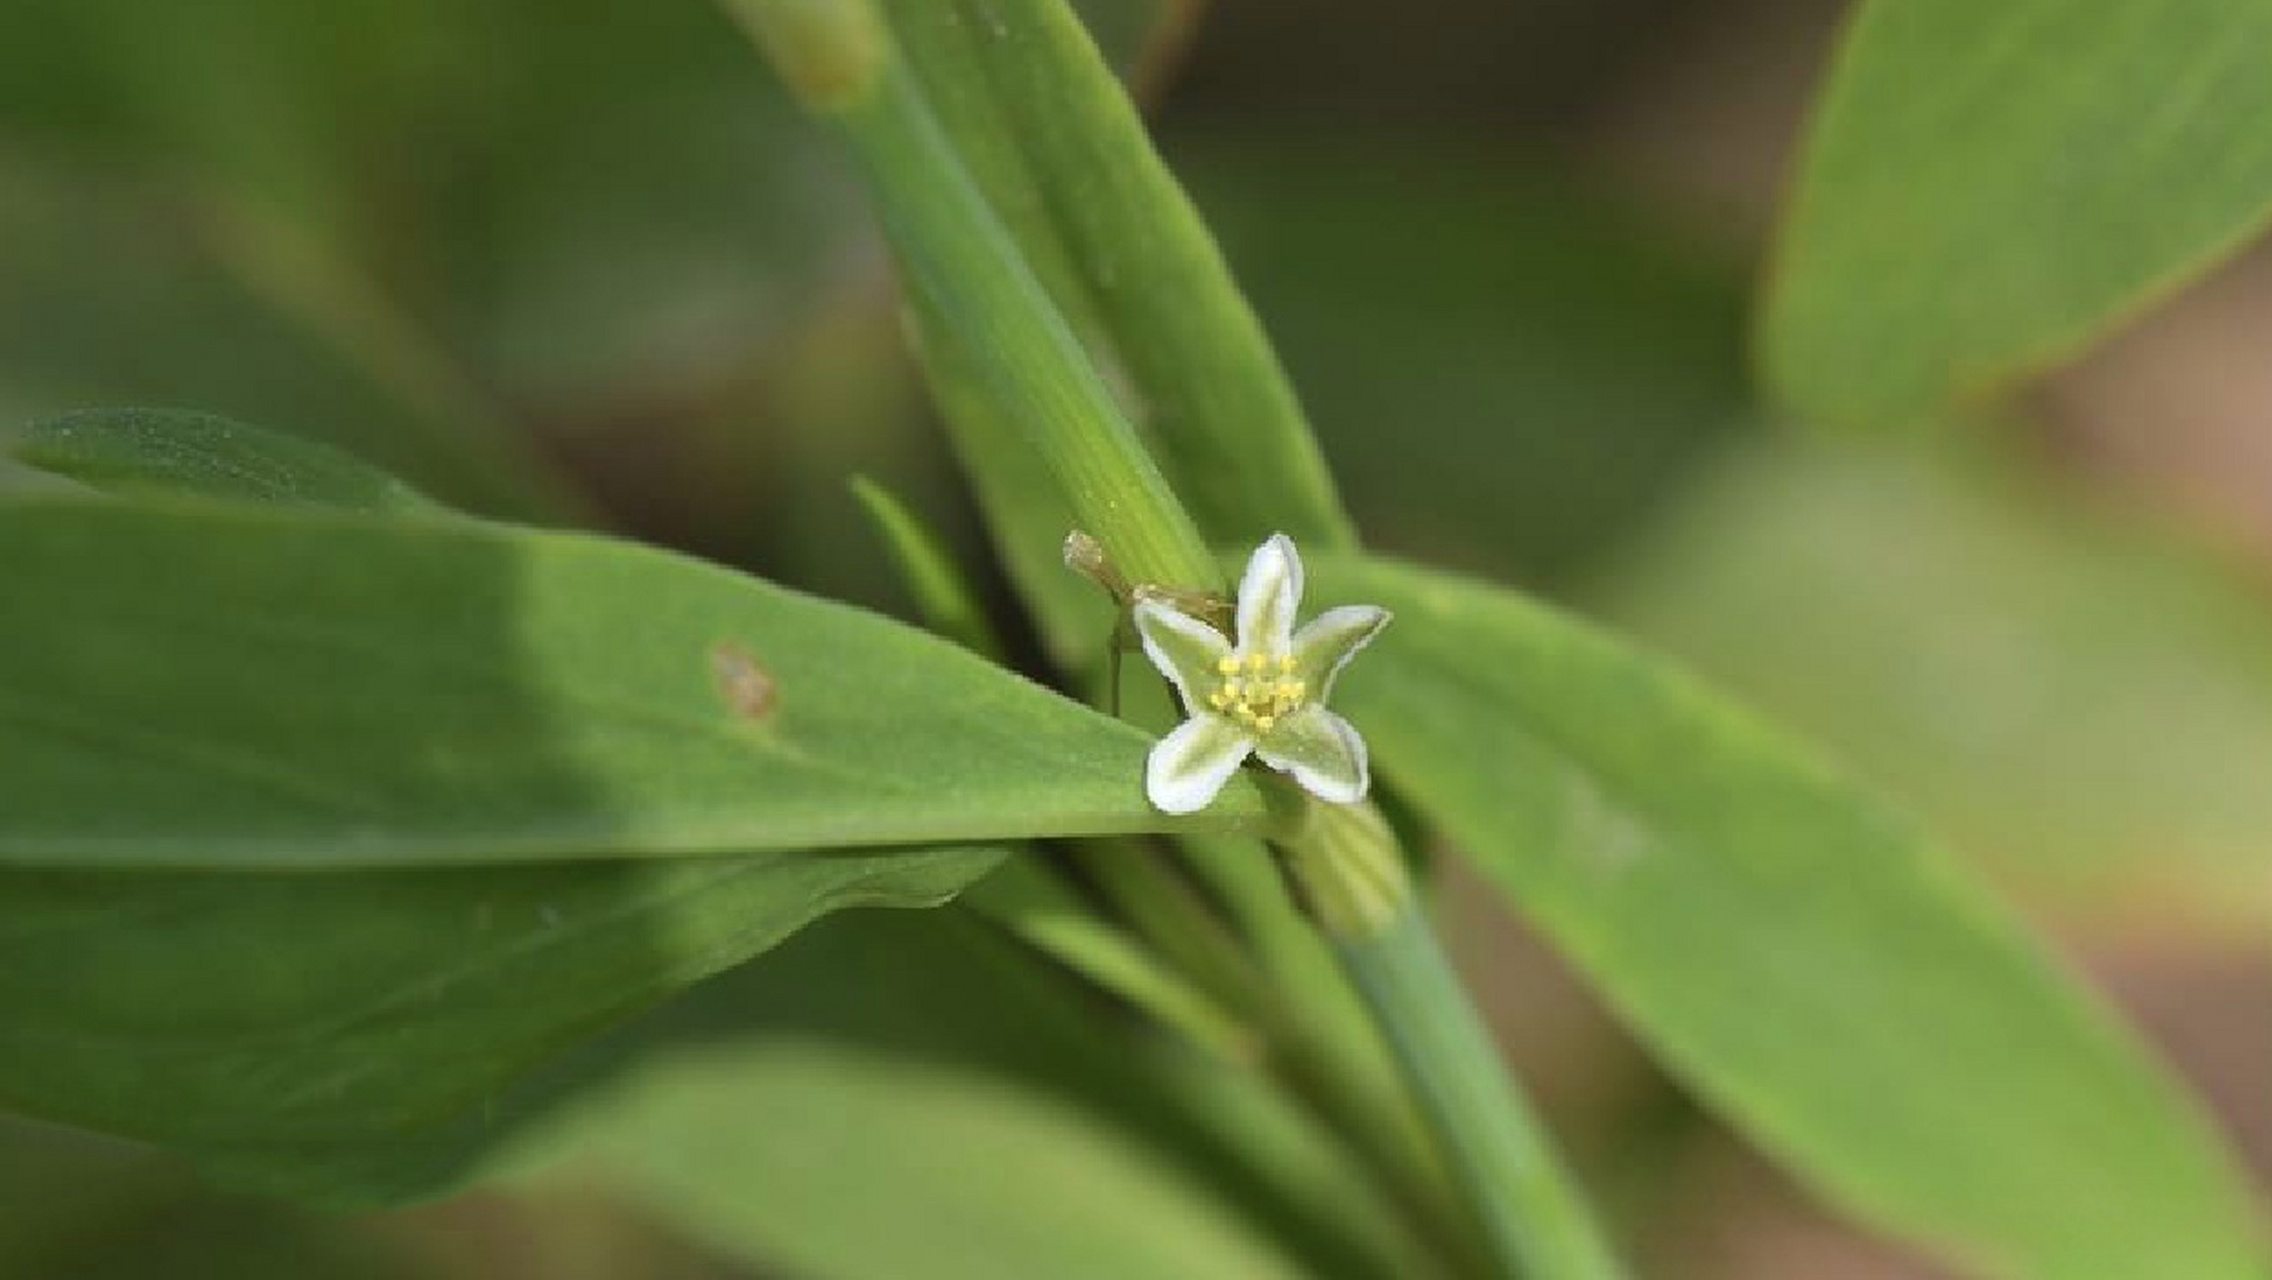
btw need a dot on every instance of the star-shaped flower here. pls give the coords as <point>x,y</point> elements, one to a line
<point>1264,696</point>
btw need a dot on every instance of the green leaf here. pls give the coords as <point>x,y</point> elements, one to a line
<point>1060,151</point>
<point>133,451</point>
<point>2077,700</point>
<point>338,1036</point>
<point>1803,957</point>
<point>1989,187</point>
<point>222,685</point>
<point>944,599</point>
<point>901,1094</point>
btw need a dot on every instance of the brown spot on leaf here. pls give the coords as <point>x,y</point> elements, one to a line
<point>747,687</point>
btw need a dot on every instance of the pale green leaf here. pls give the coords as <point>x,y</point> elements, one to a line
<point>207,684</point>
<point>1988,187</point>
<point>1803,957</point>
<point>2083,704</point>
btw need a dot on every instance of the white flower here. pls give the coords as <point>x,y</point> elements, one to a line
<point>1263,696</point>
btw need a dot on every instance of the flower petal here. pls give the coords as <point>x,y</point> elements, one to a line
<point>1188,767</point>
<point>1268,596</point>
<point>1325,646</point>
<point>1321,752</point>
<point>1182,647</point>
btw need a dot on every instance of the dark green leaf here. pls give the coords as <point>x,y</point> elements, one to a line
<point>336,1036</point>
<point>1990,186</point>
<point>172,451</point>
<point>1802,956</point>
<point>208,685</point>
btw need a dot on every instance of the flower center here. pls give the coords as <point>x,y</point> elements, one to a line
<point>1257,690</point>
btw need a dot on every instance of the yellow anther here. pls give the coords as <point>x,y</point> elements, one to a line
<point>1291,689</point>
<point>1227,665</point>
<point>1262,723</point>
<point>1219,699</point>
<point>1286,663</point>
<point>1258,663</point>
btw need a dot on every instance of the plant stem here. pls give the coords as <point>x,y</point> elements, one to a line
<point>964,267</point>
<point>1347,868</point>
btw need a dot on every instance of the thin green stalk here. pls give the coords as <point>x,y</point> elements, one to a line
<point>1025,898</point>
<point>1348,870</point>
<point>964,267</point>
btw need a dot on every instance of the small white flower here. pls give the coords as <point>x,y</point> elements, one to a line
<point>1264,696</point>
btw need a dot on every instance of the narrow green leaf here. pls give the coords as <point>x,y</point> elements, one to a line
<point>211,685</point>
<point>1989,187</point>
<point>336,1036</point>
<point>1084,190</point>
<point>944,598</point>
<point>1026,515</point>
<point>1043,911</point>
<point>133,451</point>
<point>1804,958</point>
<point>968,275</point>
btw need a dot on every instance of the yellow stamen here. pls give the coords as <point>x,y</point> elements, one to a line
<point>1259,690</point>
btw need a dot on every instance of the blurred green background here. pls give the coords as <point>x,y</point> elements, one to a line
<point>580,262</point>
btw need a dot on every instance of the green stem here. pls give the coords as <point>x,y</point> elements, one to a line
<point>1348,870</point>
<point>962,265</point>
<point>1027,900</point>
<point>1313,1055</point>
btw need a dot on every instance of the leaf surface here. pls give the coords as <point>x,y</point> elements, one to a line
<point>204,685</point>
<point>174,451</point>
<point>1802,956</point>
<point>1989,187</point>
<point>336,1036</point>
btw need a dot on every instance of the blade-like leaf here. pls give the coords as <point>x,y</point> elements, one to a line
<point>171,451</point>
<point>1061,152</point>
<point>336,1036</point>
<point>205,685</point>
<point>1988,186</point>
<point>1800,955</point>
